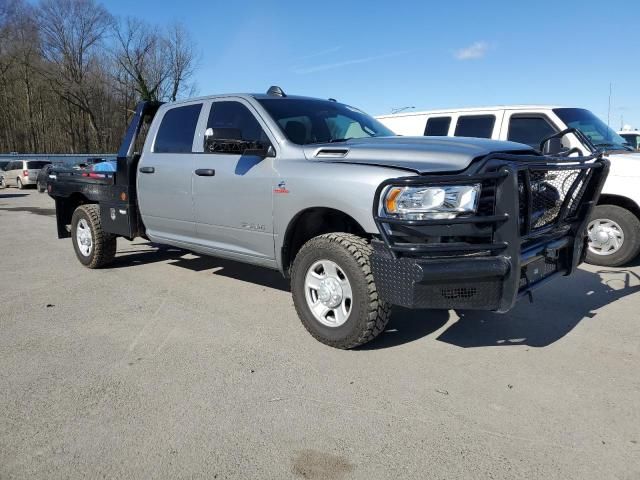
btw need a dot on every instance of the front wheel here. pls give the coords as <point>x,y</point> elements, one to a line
<point>94,247</point>
<point>334,291</point>
<point>614,236</point>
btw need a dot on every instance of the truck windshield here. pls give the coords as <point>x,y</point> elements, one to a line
<point>306,121</point>
<point>595,129</point>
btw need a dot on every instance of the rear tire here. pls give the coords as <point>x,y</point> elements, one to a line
<point>19,184</point>
<point>94,247</point>
<point>364,315</point>
<point>615,222</point>
<point>41,189</point>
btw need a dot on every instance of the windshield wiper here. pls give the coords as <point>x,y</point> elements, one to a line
<point>338,140</point>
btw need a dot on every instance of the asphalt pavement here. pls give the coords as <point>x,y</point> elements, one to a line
<point>173,365</point>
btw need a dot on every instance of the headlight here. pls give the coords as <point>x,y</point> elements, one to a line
<point>442,202</point>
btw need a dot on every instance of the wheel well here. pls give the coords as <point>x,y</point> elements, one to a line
<point>311,223</point>
<point>65,208</point>
<point>623,202</point>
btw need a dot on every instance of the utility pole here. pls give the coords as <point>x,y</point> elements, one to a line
<point>609,110</point>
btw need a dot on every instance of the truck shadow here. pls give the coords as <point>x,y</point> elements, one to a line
<point>556,310</point>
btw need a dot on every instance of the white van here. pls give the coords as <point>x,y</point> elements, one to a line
<point>614,230</point>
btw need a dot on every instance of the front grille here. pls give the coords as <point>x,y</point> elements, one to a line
<point>546,194</point>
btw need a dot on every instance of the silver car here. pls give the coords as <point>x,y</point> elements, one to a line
<point>20,173</point>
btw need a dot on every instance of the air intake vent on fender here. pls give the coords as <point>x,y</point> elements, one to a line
<point>332,152</point>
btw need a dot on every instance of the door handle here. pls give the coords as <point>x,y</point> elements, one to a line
<point>205,172</point>
<point>147,170</point>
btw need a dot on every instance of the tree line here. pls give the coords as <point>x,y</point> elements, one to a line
<point>71,74</point>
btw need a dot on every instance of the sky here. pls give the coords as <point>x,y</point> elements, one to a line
<point>381,56</point>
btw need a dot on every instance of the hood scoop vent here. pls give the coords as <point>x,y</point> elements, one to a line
<point>332,153</point>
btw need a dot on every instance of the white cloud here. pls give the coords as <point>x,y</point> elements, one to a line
<point>473,51</point>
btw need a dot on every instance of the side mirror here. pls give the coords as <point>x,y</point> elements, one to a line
<point>552,146</point>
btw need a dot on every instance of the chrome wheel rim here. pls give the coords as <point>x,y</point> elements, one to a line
<point>606,237</point>
<point>83,237</point>
<point>328,293</point>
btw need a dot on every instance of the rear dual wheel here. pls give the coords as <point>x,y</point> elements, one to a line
<point>334,291</point>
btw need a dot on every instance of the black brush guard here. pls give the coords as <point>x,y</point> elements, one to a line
<point>529,228</point>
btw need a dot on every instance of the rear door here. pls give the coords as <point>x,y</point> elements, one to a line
<point>164,175</point>
<point>232,192</point>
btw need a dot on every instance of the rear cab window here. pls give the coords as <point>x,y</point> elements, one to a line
<point>437,127</point>
<point>479,126</point>
<point>529,129</point>
<point>177,129</point>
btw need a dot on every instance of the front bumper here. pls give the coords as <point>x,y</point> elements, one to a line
<point>511,247</point>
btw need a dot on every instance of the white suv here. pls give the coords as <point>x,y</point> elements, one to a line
<point>614,229</point>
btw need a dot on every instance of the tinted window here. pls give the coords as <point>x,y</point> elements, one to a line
<point>595,129</point>
<point>480,126</point>
<point>633,139</point>
<point>36,164</point>
<point>4,165</point>
<point>176,131</point>
<point>305,121</point>
<point>437,127</point>
<point>529,130</point>
<point>236,120</point>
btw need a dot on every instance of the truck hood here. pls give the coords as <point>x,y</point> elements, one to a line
<point>418,154</point>
<point>624,164</point>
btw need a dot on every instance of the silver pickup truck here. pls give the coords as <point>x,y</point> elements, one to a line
<point>359,219</point>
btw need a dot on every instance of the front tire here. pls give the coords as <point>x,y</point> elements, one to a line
<point>334,291</point>
<point>94,247</point>
<point>614,236</point>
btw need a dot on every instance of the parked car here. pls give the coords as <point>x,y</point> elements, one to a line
<point>614,229</point>
<point>21,173</point>
<point>632,137</point>
<point>357,218</point>
<point>41,179</point>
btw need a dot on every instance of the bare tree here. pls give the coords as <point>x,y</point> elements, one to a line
<point>182,58</point>
<point>140,58</point>
<point>72,33</point>
<point>70,77</point>
<point>160,65</point>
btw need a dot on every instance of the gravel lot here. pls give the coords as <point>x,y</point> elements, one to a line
<point>171,365</point>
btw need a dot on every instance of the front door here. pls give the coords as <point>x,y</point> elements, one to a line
<point>164,177</point>
<point>232,192</point>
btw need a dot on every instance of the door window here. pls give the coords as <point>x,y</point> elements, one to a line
<point>437,127</point>
<point>529,130</point>
<point>177,129</point>
<point>232,120</point>
<point>480,126</point>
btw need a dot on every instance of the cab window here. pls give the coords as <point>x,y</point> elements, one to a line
<point>530,130</point>
<point>232,120</point>
<point>177,129</point>
<point>480,126</point>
